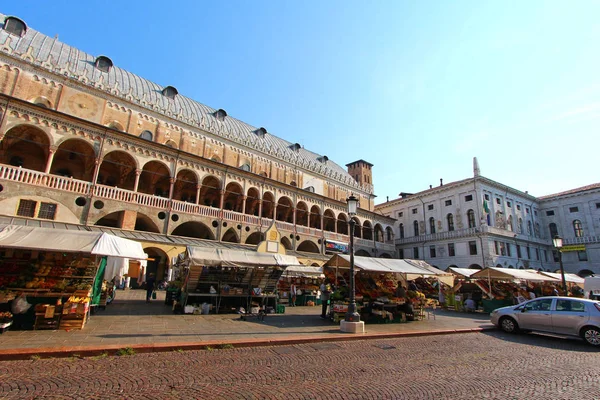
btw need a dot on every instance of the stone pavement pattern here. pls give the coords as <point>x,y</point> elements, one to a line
<point>130,322</point>
<point>490,365</point>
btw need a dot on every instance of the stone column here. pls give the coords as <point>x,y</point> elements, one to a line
<point>52,151</point>
<point>198,188</point>
<point>171,187</point>
<point>138,172</point>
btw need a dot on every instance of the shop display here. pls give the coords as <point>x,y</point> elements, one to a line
<point>306,290</point>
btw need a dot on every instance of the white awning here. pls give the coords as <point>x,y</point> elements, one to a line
<point>467,272</point>
<point>304,271</point>
<point>47,239</point>
<point>572,278</point>
<point>411,269</point>
<point>207,256</point>
<point>510,274</point>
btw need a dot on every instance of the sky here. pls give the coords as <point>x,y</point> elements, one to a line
<point>416,88</point>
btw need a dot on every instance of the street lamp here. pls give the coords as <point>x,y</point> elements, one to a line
<point>352,315</point>
<point>558,243</point>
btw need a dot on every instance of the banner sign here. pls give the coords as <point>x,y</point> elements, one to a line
<point>336,247</point>
<point>573,247</point>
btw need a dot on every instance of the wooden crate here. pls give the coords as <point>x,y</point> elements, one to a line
<point>67,322</point>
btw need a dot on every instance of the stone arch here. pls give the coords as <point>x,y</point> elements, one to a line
<point>286,243</point>
<point>231,236</point>
<point>159,263</point>
<point>26,146</point>
<point>146,224</point>
<point>362,253</point>
<point>385,255</point>
<point>171,143</point>
<point>116,125</point>
<point>389,234</point>
<point>186,185</point>
<point>475,266</point>
<point>284,210</point>
<point>379,237</point>
<point>498,266</point>
<point>118,169</point>
<point>74,158</point>
<point>252,202</point>
<point>308,246</point>
<point>255,238</point>
<point>315,217</point>
<point>301,214</point>
<point>234,197</point>
<point>210,191</point>
<point>357,228</point>
<point>111,220</point>
<point>329,221</point>
<point>585,273</point>
<point>194,229</point>
<point>155,179</point>
<point>268,205</point>
<point>367,230</point>
<point>342,224</point>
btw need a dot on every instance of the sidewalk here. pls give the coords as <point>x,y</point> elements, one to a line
<point>131,322</point>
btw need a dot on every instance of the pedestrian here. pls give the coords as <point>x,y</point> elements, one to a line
<point>293,292</point>
<point>325,295</point>
<point>400,290</point>
<point>150,286</point>
<point>412,286</point>
<point>555,291</point>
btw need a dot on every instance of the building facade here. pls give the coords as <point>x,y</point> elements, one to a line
<point>83,141</point>
<point>478,222</point>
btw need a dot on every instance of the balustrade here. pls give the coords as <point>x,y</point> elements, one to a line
<point>30,177</point>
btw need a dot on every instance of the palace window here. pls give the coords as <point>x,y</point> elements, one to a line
<point>450,219</point>
<point>578,228</point>
<point>431,225</point>
<point>15,26</point>
<point>471,218</point>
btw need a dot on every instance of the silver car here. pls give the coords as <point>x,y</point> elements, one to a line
<point>567,316</point>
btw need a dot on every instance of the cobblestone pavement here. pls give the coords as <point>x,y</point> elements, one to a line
<point>490,365</point>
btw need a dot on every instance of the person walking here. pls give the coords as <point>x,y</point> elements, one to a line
<point>325,294</point>
<point>293,292</point>
<point>150,286</point>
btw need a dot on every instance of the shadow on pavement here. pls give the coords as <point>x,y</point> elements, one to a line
<point>542,340</point>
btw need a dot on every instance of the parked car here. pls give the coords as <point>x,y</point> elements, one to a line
<point>567,316</point>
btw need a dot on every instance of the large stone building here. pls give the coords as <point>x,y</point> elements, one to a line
<point>85,142</point>
<point>477,222</point>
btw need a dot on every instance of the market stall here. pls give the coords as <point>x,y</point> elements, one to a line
<point>502,285</point>
<point>463,289</point>
<point>227,280</point>
<point>304,280</point>
<point>49,275</point>
<point>377,280</point>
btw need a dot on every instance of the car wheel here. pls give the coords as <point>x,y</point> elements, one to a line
<point>509,325</point>
<point>591,335</point>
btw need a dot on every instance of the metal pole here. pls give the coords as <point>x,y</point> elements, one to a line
<point>352,315</point>
<point>562,272</point>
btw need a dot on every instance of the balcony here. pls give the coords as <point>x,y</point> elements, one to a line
<point>447,235</point>
<point>581,240</point>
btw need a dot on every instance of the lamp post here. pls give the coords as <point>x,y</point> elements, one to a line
<point>352,315</point>
<point>558,243</point>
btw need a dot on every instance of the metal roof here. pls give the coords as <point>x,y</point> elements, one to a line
<point>51,54</point>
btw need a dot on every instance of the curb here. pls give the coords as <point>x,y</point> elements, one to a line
<point>92,351</point>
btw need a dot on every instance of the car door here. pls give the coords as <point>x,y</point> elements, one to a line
<point>568,316</point>
<point>536,315</point>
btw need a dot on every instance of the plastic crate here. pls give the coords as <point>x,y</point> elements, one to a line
<point>280,309</point>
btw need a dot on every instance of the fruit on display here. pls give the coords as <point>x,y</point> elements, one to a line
<point>5,317</point>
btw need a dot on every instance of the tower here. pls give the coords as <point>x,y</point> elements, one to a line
<point>361,171</point>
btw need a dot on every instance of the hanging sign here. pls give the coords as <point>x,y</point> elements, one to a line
<point>573,247</point>
<point>336,247</point>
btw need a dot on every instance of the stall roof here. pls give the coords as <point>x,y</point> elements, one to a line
<point>410,268</point>
<point>509,273</point>
<point>236,258</point>
<point>572,278</point>
<point>466,272</point>
<point>303,270</point>
<point>34,238</point>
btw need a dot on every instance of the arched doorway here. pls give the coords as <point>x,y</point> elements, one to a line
<point>309,247</point>
<point>357,228</point>
<point>342,224</point>
<point>268,205</point>
<point>210,192</point>
<point>252,202</point>
<point>145,224</point>
<point>234,196</point>
<point>286,243</point>
<point>302,214</point>
<point>231,236</point>
<point>315,217</point>
<point>74,158</point>
<point>155,179</point>
<point>194,229</point>
<point>329,221</point>
<point>25,146</point>
<point>255,238</point>
<point>379,233</point>
<point>186,186</point>
<point>117,169</point>
<point>367,231</point>
<point>285,210</point>
<point>158,263</point>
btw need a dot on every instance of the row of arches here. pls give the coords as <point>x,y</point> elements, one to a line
<point>29,147</point>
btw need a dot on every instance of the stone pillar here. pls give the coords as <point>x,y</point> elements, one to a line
<point>52,151</point>
<point>128,219</point>
<point>138,172</point>
<point>260,208</point>
<point>198,188</point>
<point>244,198</point>
<point>171,186</point>
<point>97,163</point>
<point>222,199</point>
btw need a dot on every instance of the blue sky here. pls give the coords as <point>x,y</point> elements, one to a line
<point>416,88</point>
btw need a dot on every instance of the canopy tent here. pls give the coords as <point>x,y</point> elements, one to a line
<point>304,271</point>
<point>570,278</point>
<point>463,272</point>
<point>411,269</point>
<point>215,257</point>
<point>47,239</point>
<point>511,274</point>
